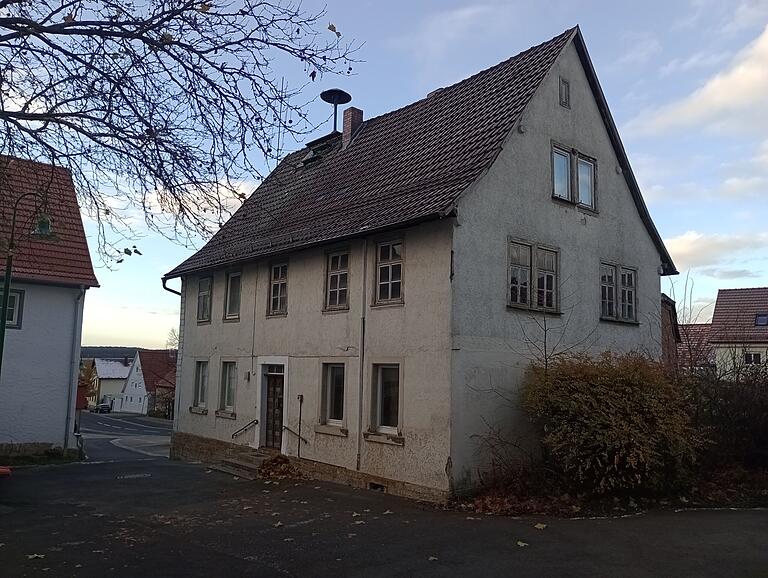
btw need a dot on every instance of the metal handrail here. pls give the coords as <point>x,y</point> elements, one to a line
<point>297,435</point>
<point>245,427</point>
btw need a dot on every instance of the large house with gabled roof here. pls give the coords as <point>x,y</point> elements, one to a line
<point>373,306</point>
<point>38,384</point>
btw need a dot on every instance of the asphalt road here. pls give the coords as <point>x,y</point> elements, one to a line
<point>121,436</point>
<point>151,517</point>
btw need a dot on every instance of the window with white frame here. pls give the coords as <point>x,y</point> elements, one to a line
<point>232,297</point>
<point>618,292</point>
<point>526,262</point>
<point>333,394</point>
<point>204,289</point>
<point>389,265</point>
<point>228,385</point>
<point>337,282</point>
<point>561,173</point>
<point>574,177</point>
<point>752,359</point>
<point>201,384</point>
<point>386,397</point>
<point>278,293</point>
<point>15,309</point>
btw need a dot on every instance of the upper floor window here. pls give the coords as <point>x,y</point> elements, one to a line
<point>618,292</point>
<point>333,394</point>
<point>565,93</point>
<point>337,281</point>
<point>761,319</point>
<point>15,308</point>
<point>232,299</point>
<point>201,383</point>
<point>204,290</point>
<point>529,262</point>
<point>573,177</point>
<point>752,359</point>
<point>278,293</point>
<point>389,285</point>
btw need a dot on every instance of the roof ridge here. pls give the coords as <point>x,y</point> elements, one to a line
<point>442,90</point>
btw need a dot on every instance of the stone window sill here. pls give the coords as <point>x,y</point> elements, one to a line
<point>198,410</point>
<point>331,430</point>
<point>226,414</point>
<point>383,438</point>
<point>619,321</point>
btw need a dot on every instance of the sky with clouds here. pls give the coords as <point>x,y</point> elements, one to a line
<point>687,83</point>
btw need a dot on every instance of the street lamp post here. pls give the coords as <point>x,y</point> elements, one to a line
<point>42,230</point>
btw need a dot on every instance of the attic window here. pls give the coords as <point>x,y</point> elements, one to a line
<point>565,93</point>
<point>761,319</point>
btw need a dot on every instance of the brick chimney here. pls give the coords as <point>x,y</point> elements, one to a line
<point>353,118</point>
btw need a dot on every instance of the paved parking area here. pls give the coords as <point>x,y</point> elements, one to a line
<point>151,517</point>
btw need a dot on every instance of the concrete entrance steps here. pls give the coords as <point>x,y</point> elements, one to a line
<point>242,463</point>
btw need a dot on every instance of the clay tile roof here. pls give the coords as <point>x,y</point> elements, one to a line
<point>63,260</point>
<point>734,318</point>
<point>158,366</point>
<point>403,167</point>
<point>694,348</point>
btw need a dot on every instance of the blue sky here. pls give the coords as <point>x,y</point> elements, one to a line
<point>687,83</point>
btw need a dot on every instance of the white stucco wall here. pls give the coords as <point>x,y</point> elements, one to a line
<point>133,397</point>
<point>415,335</point>
<point>492,343</point>
<point>37,372</point>
<point>109,389</point>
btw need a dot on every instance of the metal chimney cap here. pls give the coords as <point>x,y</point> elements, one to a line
<point>335,96</point>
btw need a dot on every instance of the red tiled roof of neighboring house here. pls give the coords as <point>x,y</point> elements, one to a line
<point>694,348</point>
<point>735,313</point>
<point>158,366</point>
<point>63,260</point>
<point>401,168</point>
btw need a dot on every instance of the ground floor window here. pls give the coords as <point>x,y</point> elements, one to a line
<point>228,384</point>
<point>333,393</point>
<point>201,383</point>
<point>386,397</point>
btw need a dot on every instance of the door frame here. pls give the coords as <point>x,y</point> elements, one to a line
<point>261,399</point>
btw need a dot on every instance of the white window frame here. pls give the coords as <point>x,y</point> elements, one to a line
<point>533,270</point>
<point>336,275</point>
<point>752,358</point>
<point>377,369</point>
<point>204,316</point>
<point>17,310</point>
<point>327,393</point>
<point>227,389</point>
<point>279,281</point>
<point>389,265</point>
<point>557,150</point>
<point>228,315</point>
<point>593,181</point>
<point>620,292</point>
<point>200,398</point>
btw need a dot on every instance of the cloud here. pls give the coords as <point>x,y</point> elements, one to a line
<point>440,31</point>
<point>718,273</point>
<point>745,186</point>
<point>644,48</point>
<point>731,100</point>
<point>747,14</point>
<point>694,61</point>
<point>693,249</point>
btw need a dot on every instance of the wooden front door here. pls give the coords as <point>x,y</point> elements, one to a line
<point>274,422</point>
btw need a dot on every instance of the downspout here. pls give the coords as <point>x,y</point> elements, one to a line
<point>361,354</point>
<point>77,328</point>
<point>179,348</point>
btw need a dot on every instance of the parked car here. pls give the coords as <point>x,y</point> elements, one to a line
<point>102,408</point>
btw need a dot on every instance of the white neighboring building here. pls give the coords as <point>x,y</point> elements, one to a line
<point>38,385</point>
<point>150,383</point>
<point>111,375</point>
